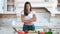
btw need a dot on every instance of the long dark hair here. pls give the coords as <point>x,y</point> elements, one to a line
<point>25,11</point>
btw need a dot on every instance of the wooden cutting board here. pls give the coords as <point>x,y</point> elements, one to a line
<point>33,33</point>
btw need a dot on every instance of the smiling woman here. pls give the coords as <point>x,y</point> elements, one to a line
<point>28,17</point>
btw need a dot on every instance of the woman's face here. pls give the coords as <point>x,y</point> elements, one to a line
<point>28,8</point>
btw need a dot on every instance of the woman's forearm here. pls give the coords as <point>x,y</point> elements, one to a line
<point>33,19</point>
<point>29,21</point>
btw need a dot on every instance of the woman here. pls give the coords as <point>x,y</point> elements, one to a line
<point>28,17</point>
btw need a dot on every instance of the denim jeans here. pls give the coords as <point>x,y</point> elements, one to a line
<point>28,27</point>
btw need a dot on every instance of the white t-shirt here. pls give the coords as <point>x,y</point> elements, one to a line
<point>29,16</point>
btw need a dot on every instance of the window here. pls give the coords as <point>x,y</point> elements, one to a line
<point>10,5</point>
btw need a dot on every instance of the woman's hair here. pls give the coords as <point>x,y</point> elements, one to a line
<point>25,10</point>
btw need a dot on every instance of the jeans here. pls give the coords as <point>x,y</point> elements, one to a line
<point>28,27</point>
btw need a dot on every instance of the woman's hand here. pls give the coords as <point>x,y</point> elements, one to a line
<point>33,19</point>
<point>28,21</point>
<point>23,19</point>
